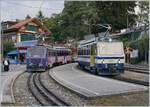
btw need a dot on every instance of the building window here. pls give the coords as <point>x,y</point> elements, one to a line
<point>14,38</point>
<point>31,28</point>
<point>27,37</point>
<point>4,26</point>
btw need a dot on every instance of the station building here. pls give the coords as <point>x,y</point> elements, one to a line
<point>24,34</point>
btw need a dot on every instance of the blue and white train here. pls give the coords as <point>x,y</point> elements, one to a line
<point>101,57</point>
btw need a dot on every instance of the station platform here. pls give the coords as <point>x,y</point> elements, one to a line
<point>90,85</point>
<point>7,81</point>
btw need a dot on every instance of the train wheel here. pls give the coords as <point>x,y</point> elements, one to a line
<point>81,66</point>
<point>95,71</point>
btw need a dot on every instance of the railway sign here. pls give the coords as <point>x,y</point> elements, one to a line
<point>134,53</point>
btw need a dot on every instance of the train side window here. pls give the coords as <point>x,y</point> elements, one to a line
<point>52,53</point>
<point>82,52</point>
<point>67,52</point>
<point>55,53</point>
<point>61,53</point>
<point>64,53</point>
<point>49,53</point>
<point>79,52</point>
<point>86,51</point>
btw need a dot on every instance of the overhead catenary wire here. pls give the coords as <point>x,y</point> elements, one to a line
<point>39,7</point>
<point>29,6</point>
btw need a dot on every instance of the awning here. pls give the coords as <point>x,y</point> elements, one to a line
<point>15,52</point>
<point>26,43</point>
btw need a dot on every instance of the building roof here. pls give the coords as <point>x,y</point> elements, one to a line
<point>21,23</point>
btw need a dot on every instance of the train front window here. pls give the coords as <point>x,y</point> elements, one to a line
<point>37,51</point>
<point>111,49</point>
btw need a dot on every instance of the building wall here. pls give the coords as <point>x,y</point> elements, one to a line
<point>31,30</point>
<point>9,37</point>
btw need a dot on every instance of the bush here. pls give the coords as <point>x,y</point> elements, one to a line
<point>134,60</point>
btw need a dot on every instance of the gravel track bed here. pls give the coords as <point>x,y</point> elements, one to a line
<point>127,99</point>
<point>24,98</point>
<point>136,76</point>
<point>65,94</point>
<point>21,93</point>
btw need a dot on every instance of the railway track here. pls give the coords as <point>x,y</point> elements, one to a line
<point>138,69</point>
<point>129,76</point>
<point>43,95</point>
<point>131,80</point>
<point>134,76</point>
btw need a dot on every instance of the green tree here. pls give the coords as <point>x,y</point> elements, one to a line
<point>7,47</point>
<point>144,11</point>
<point>80,18</point>
<point>117,13</point>
<point>28,16</point>
<point>40,15</point>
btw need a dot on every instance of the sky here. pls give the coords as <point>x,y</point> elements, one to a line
<point>18,9</point>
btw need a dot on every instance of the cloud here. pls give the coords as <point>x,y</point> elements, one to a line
<point>11,10</point>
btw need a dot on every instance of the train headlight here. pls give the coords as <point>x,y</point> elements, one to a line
<point>40,64</point>
<point>103,61</point>
<point>30,64</point>
<point>110,40</point>
<point>119,61</point>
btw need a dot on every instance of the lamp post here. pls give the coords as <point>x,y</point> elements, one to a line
<point>127,19</point>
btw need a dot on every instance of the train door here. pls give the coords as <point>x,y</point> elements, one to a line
<point>92,59</point>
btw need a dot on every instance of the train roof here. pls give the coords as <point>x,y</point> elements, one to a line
<point>61,48</point>
<point>96,40</point>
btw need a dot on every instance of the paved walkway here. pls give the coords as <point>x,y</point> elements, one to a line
<point>90,85</point>
<point>7,79</point>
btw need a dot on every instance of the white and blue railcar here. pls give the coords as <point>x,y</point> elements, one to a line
<point>102,57</point>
